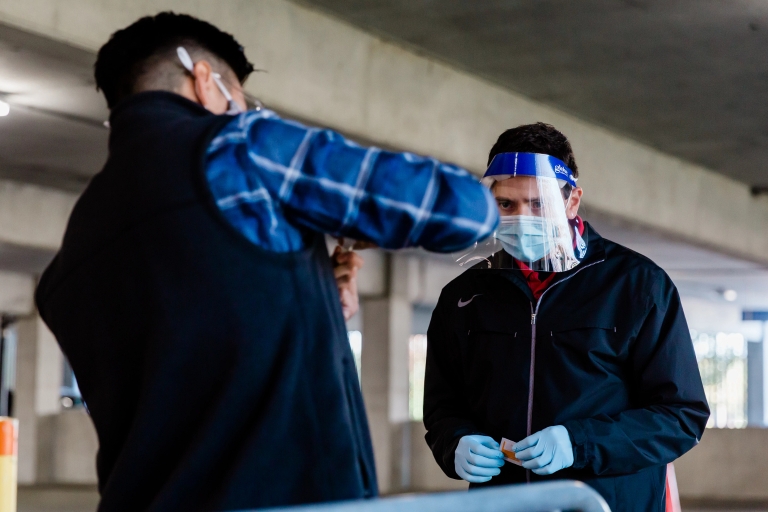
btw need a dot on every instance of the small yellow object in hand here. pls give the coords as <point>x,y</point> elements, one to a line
<point>508,449</point>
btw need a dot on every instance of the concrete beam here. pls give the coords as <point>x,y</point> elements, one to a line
<point>329,72</point>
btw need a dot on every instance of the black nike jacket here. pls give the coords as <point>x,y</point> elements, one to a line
<point>605,352</point>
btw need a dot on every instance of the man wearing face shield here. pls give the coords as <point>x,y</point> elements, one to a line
<point>561,341</point>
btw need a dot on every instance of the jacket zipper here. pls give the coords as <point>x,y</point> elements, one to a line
<point>534,313</point>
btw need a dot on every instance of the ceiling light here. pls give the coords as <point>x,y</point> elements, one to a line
<point>730,295</point>
<point>4,108</point>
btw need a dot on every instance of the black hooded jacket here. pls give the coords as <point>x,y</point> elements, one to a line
<point>605,352</point>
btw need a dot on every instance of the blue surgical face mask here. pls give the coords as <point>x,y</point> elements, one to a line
<point>524,237</point>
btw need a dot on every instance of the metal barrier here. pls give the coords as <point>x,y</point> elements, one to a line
<point>543,497</point>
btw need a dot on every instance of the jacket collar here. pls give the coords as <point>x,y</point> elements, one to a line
<point>595,246</point>
<point>142,109</point>
<point>595,254</point>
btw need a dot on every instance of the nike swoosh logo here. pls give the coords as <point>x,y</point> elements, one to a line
<point>462,304</point>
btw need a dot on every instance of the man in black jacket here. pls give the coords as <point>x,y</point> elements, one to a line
<point>589,367</point>
<point>193,293</point>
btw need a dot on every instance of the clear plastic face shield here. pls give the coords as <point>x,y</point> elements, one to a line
<point>533,192</point>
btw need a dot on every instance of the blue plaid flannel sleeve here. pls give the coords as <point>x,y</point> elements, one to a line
<point>274,179</point>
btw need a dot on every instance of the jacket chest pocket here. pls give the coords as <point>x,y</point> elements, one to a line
<point>493,329</point>
<point>497,350</point>
<point>486,345</point>
<point>598,344</point>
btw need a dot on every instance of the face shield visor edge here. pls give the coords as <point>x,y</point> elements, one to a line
<point>535,232</point>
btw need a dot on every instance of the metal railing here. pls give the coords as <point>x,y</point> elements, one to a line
<point>543,497</point>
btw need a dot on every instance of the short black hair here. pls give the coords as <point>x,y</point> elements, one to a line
<point>123,60</point>
<point>536,138</point>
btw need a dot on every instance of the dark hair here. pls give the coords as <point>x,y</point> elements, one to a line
<point>536,138</point>
<point>130,53</point>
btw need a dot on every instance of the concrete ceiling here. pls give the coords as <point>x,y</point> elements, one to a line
<point>54,134</point>
<point>689,77</point>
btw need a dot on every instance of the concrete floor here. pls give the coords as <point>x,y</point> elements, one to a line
<point>724,507</point>
<point>58,498</point>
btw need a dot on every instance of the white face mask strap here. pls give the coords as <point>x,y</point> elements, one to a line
<point>222,88</point>
<point>186,61</point>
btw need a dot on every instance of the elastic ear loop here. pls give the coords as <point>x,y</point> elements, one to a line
<point>186,61</point>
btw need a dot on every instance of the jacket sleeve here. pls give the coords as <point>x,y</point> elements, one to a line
<point>446,412</point>
<point>672,408</point>
<point>264,166</point>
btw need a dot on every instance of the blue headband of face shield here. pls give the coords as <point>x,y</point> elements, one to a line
<point>509,165</point>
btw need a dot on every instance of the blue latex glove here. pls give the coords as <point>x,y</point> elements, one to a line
<point>477,458</point>
<point>546,451</point>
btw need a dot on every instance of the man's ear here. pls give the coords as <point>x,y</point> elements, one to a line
<point>574,201</point>
<point>206,90</point>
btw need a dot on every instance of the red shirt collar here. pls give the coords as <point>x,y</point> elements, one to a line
<point>536,283</point>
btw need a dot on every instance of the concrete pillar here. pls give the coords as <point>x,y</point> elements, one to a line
<point>764,372</point>
<point>33,216</point>
<point>67,447</point>
<point>16,293</point>
<point>755,378</point>
<point>387,328</point>
<point>38,379</point>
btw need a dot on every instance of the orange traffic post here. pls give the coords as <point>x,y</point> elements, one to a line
<point>9,443</point>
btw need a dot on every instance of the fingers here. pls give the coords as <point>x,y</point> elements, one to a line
<point>551,453</point>
<point>539,462</point>
<point>360,245</point>
<point>470,478</point>
<point>344,273</point>
<point>530,450</point>
<point>531,453</point>
<point>555,465</point>
<point>529,441</point>
<point>341,256</point>
<point>346,265</point>
<point>485,451</point>
<point>537,456</point>
<point>350,259</point>
<point>546,470</point>
<point>350,304</point>
<point>473,470</point>
<point>477,458</point>
<point>487,441</point>
<point>485,462</point>
<point>345,244</point>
